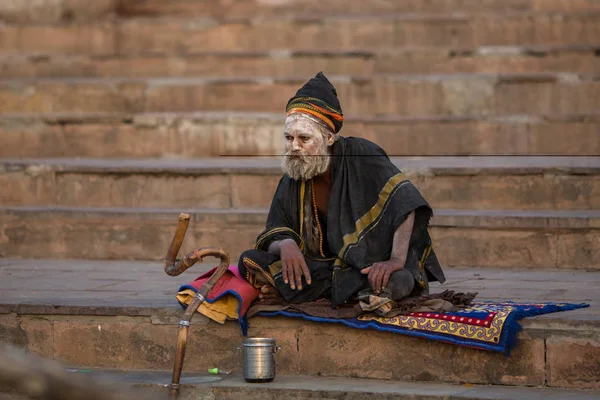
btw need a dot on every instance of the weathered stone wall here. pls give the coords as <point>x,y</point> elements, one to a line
<point>565,357</point>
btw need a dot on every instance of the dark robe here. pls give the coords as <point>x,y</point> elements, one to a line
<point>370,198</point>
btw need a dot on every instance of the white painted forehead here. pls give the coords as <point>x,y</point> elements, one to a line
<point>303,122</point>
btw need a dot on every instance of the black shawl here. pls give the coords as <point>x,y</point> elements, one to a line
<point>369,200</point>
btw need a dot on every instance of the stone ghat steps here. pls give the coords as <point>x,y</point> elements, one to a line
<point>82,10</point>
<point>485,238</point>
<point>211,134</point>
<point>281,63</point>
<point>133,304</point>
<point>254,7</point>
<point>153,385</point>
<point>458,94</point>
<point>510,183</point>
<point>176,36</point>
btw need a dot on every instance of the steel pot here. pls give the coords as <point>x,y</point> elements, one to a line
<point>259,359</point>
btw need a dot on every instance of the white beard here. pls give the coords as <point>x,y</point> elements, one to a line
<point>301,166</point>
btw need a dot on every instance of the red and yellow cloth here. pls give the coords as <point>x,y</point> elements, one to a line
<point>230,298</point>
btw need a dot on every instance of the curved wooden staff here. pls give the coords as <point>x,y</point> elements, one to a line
<point>175,267</point>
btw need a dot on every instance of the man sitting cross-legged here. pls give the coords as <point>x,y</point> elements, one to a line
<point>343,217</point>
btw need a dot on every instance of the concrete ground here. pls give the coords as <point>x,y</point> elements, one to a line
<point>36,295</point>
<point>154,386</point>
<point>144,284</point>
<point>304,387</point>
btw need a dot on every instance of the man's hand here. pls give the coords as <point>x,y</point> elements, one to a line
<point>379,273</point>
<point>293,265</point>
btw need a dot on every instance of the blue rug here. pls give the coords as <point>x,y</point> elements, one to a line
<point>484,325</point>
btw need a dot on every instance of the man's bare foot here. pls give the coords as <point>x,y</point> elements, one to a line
<point>269,292</point>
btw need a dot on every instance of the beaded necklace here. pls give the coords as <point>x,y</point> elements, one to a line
<point>316,211</point>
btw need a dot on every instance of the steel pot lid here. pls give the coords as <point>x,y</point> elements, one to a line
<point>259,342</point>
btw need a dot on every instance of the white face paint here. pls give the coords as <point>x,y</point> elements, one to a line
<point>306,147</point>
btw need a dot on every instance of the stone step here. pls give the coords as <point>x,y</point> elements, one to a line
<point>296,387</point>
<point>23,11</point>
<point>255,7</point>
<point>123,315</point>
<point>482,238</point>
<point>55,11</point>
<point>235,134</point>
<point>281,63</point>
<point>471,94</point>
<point>310,32</point>
<point>153,385</point>
<point>517,183</point>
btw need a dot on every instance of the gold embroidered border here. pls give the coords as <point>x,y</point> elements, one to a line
<point>274,231</point>
<point>489,334</point>
<point>351,239</point>
<point>426,253</point>
<point>275,268</point>
<point>252,265</point>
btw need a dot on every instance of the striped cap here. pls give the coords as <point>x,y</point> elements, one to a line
<point>318,98</point>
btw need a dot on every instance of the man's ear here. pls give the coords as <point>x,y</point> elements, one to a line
<point>330,139</point>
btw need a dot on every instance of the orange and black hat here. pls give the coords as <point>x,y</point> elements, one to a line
<point>318,98</point>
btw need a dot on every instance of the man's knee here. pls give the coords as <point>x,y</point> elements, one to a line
<point>249,267</point>
<point>401,284</point>
<point>246,255</point>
